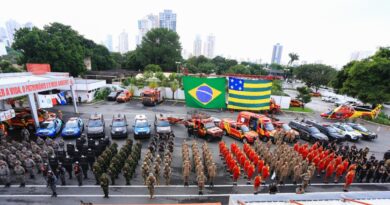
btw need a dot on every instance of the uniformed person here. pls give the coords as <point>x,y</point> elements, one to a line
<point>78,172</point>
<point>256,184</point>
<point>349,179</point>
<point>212,173</point>
<point>201,178</point>
<point>51,182</point>
<point>186,172</point>
<point>53,162</point>
<point>68,165</point>
<point>19,172</point>
<point>305,179</point>
<point>4,173</point>
<point>167,174</point>
<point>111,171</point>
<point>104,183</point>
<point>30,166</point>
<point>127,173</point>
<point>145,171</point>
<point>151,182</point>
<point>84,166</point>
<point>60,172</point>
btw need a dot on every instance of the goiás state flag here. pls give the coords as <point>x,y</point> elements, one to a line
<point>204,92</point>
<point>249,94</point>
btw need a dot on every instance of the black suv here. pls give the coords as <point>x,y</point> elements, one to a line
<point>329,131</point>
<point>96,126</point>
<point>119,126</point>
<point>308,132</point>
<point>113,95</point>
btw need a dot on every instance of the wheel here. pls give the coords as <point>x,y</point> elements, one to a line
<point>264,139</point>
<point>312,140</point>
<point>225,133</point>
<point>208,138</point>
<point>244,140</point>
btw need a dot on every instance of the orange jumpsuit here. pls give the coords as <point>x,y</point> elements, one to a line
<point>265,172</point>
<point>250,172</point>
<point>349,179</point>
<point>236,173</point>
<point>339,172</point>
<point>329,171</point>
<point>346,164</point>
<point>257,183</point>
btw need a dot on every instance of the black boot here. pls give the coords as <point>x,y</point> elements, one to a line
<point>22,184</point>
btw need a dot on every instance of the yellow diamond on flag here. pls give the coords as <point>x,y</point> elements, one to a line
<point>204,93</point>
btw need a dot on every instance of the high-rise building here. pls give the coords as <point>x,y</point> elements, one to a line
<point>146,24</point>
<point>28,25</point>
<point>4,37</point>
<point>197,46</point>
<point>209,46</point>
<point>168,20</point>
<point>12,27</point>
<point>3,50</point>
<point>123,45</point>
<point>108,42</point>
<point>277,53</point>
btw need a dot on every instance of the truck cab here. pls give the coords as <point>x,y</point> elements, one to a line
<point>258,123</point>
<point>204,128</point>
<point>124,96</point>
<point>152,96</point>
<point>238,130</point>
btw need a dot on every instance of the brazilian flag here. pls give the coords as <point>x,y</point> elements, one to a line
<point>204,92</point>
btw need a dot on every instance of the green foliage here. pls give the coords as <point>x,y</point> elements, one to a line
<point>368,79</point>
<point>153,68</point>
<point>298,109</point>
<point>315,75</point>
<point>293,57</point>
<point>117,59</point>
<point>102,93</point>
<point>206,67</point>
<point>7,67</point>
<point>304,94</point>
<point>148,74</point>
<point>240,69</point>
<point>62,47</point>
<point>381,119</point>
<point>13,56</point>
<point>160,46</point>
<point>275,66</point>
<point>131,61</point>
<point>159,75</point>
<point>153,84</point>
<point>277,88</point>
<point>174,87</point>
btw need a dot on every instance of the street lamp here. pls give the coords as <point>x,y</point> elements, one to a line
<point>178,64</point>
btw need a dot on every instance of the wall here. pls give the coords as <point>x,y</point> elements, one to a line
<point>283,101</point>
<point>179,94</point>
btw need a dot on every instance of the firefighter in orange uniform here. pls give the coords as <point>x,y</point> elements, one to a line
<point>265,172</point>
<point>329,171</point>
<point>256,184</point>
<point>321,167</point>
<point>339,172</point>
<point>251,171</point>
<point>352,167</point>
<point>346,164</point>
<point>236,174</point>
<point>260,165</point>
<point>349,179</point>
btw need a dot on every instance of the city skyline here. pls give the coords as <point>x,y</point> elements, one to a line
<point>325,30</point>
<point>277,52</point>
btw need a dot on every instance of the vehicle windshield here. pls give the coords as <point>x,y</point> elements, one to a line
<point>148,95</point>
<point>163,123</point>
<point>361,128</point>
<point>95,123</point>
<point>71,124</point>
<point>269,126</point>
<point>118,123</point>
<point>141,123</point>
<point>112,94</point>
<point>313,130</point>
<point>286,127</point>
<point>209,125</point>
<point>348,128</point>
<point>47,125</point>
<point>331,130</point>
<point>122,95</point>
<point>244,128</point>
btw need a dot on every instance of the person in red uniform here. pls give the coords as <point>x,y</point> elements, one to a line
<point>265,172</point>
<point>316,160</point>
<point>346,164</point>
<point>339,172</point>
<point>256,184</point>
<point>352,167</point>
<point>296,146</point>
<point>339,160</point>
<point>329,171</point>
<point>260,165</point>
<point>349,179</point>
<point>321,167</point>
<point>250,172</point>
<point>246,165</point>
<point>236,174</point>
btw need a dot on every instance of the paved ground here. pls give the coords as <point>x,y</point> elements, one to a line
<point>37,193</point>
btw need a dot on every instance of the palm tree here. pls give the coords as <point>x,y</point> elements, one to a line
<point>293,57</point>
<point>174,87</point>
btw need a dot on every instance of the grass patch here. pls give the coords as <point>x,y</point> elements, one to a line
<point>381,119</point>
<point>299,109</point>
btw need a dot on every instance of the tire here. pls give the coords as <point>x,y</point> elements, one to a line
<point>348,138</point>
<point>264,139</point>
<point>225,133</point>
<point>245,141</point>
<point>208,138</point>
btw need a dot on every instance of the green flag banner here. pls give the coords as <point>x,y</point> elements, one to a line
<point>204,92</point>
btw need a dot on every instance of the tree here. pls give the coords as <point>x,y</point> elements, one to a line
<point>368,79</point>
<point>131,61</point>
<point>153,68</point>
<point>239,69</point>
<point>293,57</point>
<point>174,87</point>
<point>162,47</point>
<point>7,67</point>
<point>13,56</point>
<point>206,67</point>
<point>117,59</point>
<point>315,75</point>
<point>60,46</point>
<point>304,95</point>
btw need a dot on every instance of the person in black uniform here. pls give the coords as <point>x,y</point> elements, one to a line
<point>84,165</point>
<point>53,162</point>
<point>363,173</point>
<point>90,157</point>
<point>76,156</point>
<point>68,165</point>
<point>70,149</point>
<point>79,144</point>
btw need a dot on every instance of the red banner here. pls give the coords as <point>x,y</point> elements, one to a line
<point>17,90</point>
<point>38,69</point>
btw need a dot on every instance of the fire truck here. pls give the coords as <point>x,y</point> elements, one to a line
<point>259,123</point>
<point>238,130</point>
<point>152,96</point>
<point>203,126</point>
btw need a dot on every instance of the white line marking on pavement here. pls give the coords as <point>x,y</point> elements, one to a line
<point>191,186</point>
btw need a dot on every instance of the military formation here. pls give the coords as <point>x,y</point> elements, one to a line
<point>157,161</point>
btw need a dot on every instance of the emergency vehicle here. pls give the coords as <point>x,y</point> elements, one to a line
<point>238,130</point>
<point>152,96</point>
<point>259,123</point>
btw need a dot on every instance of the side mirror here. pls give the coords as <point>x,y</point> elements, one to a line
<point>133,126</point>
<point>110,125</point>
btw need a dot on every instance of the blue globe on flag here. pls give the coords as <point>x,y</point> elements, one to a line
<point>204,94</point>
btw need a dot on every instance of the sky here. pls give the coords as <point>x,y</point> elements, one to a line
<point>326,31</point>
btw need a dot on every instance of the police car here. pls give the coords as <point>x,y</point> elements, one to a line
<point>49,128</point>
<point>141,127</point>
<point>73,128</point>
